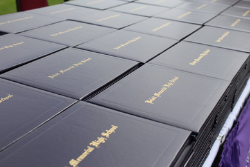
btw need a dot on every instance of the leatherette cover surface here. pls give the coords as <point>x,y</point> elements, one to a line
<point>165,95</point>
<point>230,22</point>
<point>97,4</point>
<point>69,33</point>
<point>203,7</point>
<point>111,19</point>
<point>140,9</point>
<point>188,16</point>
<point>243,4</point>
<point>224,38</point>
<point>238,12</point>
<point>63,11</point>
<point>201,59</point>
<point>16,50</point>
<point>23,21</point>
<point>94,136</point>
<point>129,45</point>
<point>164,28</point>
<point>163,3</point>
<point>128,0</point>
<point>22,109</point>
<point>221,2</point>
<point>72,72</point>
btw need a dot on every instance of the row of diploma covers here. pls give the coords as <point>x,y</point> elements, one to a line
<point>123,83</point>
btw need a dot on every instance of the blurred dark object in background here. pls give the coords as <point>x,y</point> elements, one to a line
<point>23,5</point>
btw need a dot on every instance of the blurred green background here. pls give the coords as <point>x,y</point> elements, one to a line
<point>9,6</point>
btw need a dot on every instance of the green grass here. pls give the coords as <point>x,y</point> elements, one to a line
<point>9,6</point>
<point>54,2</point>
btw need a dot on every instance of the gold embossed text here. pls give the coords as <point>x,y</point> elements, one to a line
<point>93,145</point>
<point>163,89</point>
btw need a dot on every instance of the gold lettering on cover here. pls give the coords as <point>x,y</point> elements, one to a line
<point>185,14</point>
<point>110,131</point>
<point>202,6</point>
<point>160,1</point>
<point>200,57</point>
<point>86,152</point>
<point>90,3</point>
<point>164,25</point>
<point>163,89</point>
<point>95,144</point>
<point>110,17</point>
<point>236,22</point>
<point>5,98</point>
<point>60,11</point>
<point>142,7</point>
<point>246,13</point>
<point>25,18</point>
<point>130,41</point>
<point>70,68</point>
<point>10,46</point>
<point>222,37</point>
<point>60,33</point>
